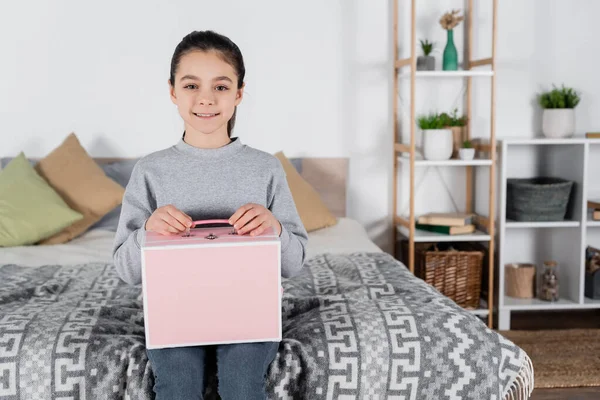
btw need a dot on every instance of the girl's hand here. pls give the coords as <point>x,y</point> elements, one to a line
<point>168,220</point>
<point>254,219</point>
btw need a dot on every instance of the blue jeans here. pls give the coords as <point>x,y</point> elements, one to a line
<point>179,372</point>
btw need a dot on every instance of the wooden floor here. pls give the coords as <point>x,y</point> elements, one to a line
<point>566,394</point>
<point>559,320</point>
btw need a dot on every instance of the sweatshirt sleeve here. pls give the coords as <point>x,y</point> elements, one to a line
<point>138,205</point>
<point>294,237</point>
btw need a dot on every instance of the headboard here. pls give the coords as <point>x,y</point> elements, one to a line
<point>329,178</point>
<point>327,175</point>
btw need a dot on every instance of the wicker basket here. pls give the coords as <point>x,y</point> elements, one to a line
<point>537,199</point>
<point>454,273</point>
<point>520,280</point>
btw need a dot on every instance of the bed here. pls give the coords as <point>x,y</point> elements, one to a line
<point>356,324</point>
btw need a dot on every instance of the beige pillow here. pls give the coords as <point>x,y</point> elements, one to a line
<point>313,212</point>
<point>81,183</point>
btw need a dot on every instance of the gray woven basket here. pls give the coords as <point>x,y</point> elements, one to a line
<point>537,199</point>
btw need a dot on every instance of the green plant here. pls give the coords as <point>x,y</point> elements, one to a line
<point>455,120</point>
<point>446,119</point>
<point>442,120</point>
<point>427,47</point>
<point>431,121</point>
<point>559,98</point>
<point>467,144</point>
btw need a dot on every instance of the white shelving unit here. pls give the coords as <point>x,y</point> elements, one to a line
<point>576,159</point>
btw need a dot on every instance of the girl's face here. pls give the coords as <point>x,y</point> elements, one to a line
<point>205,92</point>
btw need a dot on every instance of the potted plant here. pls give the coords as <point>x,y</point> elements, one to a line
<point>437,138</point>
<point>426,62</point>
<point>457,125</point>
<point>558,120</point>
<point>466,152</point>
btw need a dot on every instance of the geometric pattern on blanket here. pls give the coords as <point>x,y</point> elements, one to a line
<point>71,332</point>
<point>357,326</point>
<point>362,326</point>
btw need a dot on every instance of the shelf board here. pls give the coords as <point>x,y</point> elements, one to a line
<point>482,310</point>
<point>590,303</point>
<point>542,224</point>
<point>446,163</point>
<point>425,236</point>
<point>593,223</point>
<point>512,303</point>
<point>543,141</point>
<point>448,74</point>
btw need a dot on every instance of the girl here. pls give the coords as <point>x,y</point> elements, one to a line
<point>208,174</point>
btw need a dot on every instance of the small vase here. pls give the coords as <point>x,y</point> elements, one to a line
<point>548,286</point>
<point>450,62</point>
<point>466,154</point>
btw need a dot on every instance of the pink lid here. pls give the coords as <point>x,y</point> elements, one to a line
<point>208,236</point>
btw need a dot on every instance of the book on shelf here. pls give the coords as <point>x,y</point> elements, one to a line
<point>594,204</point>
<point>446,219</point>
<point>596,215</point>
<point>592,135</point>
<point>447,230</point>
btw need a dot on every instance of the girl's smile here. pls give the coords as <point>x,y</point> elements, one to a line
<point>205,116</point>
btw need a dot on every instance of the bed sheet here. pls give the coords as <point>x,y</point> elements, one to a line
<point>93,246</point>
<point>347,236</point>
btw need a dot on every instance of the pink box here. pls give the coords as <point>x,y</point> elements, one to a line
<point>212,287</point>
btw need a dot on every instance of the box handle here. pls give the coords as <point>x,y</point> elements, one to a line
<point>210,236</point>
<point>210,221</point>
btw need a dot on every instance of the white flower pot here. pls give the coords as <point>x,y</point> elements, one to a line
<point>466,154</point>
<point>558,122</point>
<point>437,144</point>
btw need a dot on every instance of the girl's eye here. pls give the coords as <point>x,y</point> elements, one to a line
<point>190,86</point>
<point>222,88</point>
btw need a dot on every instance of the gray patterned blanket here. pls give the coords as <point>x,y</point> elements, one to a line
<point>357,326</point>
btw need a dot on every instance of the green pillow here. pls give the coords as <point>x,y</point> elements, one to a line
<point>30,209</point>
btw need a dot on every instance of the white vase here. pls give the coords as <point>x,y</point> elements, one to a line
<point>437,144</point>
<point>558,122</point>
<point>466,154</point>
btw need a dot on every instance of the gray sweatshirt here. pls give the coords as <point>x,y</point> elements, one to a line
<point>206,184</point>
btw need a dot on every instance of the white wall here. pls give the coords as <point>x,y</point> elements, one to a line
<point>318,77</point>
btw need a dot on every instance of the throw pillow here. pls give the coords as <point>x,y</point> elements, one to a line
<point>30,210</point>
<point>5,160</point>
<point>120,172</point>
<point>77,178</point>
<point>311,209</point>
